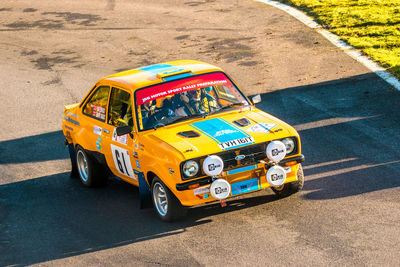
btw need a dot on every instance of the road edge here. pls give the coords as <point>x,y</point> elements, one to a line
<point>334,39</point>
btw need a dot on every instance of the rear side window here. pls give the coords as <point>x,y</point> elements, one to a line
<point>96,106</point>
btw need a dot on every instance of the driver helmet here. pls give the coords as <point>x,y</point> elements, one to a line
<point>195,95</point>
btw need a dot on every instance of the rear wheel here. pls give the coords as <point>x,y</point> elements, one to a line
<point>72,155</point>
<point>90,172</point>
<point>291,188</point>
<point>165,203</point>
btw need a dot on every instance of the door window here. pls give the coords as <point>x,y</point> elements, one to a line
<point>97,104</point>
<point>120,109</point>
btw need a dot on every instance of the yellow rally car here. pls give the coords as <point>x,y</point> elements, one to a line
<point>184,133</point>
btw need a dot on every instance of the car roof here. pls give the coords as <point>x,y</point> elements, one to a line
<point>159,73</point>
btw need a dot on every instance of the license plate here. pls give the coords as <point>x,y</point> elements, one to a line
<point>245,186</point>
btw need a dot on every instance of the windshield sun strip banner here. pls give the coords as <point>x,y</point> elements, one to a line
<point>225,134</point>
<point>180,86</point>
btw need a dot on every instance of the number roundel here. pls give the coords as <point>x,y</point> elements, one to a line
<point>122,161</point>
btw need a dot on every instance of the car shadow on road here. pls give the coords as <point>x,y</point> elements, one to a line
<point>54,217</point>
<point>35,148</point>
<point>349,131</point>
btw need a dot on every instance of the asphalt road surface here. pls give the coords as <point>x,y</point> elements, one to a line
<point>52,52</point>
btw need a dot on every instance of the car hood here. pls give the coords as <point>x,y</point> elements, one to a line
<point>214,134</point>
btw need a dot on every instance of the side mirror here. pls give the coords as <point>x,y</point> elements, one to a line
<point>256,99</point>
<point>122,130</point>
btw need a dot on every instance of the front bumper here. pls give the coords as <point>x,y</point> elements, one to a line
<point>208,180</point>
<point>194,192</point>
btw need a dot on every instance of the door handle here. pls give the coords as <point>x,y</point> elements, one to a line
<point>106,131</point>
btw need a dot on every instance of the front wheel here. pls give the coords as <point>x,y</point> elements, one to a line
<point>165,203</point>
<point>291,188</point>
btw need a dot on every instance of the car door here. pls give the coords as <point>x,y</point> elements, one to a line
<point>118,149</point>
<point>94,112</point>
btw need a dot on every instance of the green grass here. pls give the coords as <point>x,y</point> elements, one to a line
<point>372,26</point>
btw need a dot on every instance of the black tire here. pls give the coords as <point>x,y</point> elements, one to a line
<point>90,172</point>
<point>291,188</point>
<point>72,155</point>
<point>159,193</point>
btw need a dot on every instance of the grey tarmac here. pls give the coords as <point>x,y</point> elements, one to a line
<point>54,51</point>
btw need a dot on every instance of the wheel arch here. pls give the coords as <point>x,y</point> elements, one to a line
<point>150,177</point>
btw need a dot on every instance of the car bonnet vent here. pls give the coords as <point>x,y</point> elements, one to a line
<point>189,134</point>
<point>242,122</point>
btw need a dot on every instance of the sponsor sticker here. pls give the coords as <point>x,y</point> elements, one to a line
<point>69,128</point>
<point>245,186</point>
<point>98,111</point>
<point>276,177</point>
<point>120,139</point>
<point>262,127</point>
<point>97,130</point>
<point>69,119</point>
<point>72,115</point>
<point>201,190</point>
<point>137,164</point>
<point>222,132</point>
<point>99,145</point>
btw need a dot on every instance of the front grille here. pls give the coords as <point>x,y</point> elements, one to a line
<point>253,154</point>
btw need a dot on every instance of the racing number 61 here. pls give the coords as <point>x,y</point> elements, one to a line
<point>121,168</point>
<point>122,163</point>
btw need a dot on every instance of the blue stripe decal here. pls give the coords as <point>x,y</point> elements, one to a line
<point>237,128</point>
<point>204,133</point>
<point>245,186</point>
<point>175,77</point>
<point>234,126</point>
<point>224,133</point>
<point>248,168</point>
<point>219,130</point>
<point>166,69</point>
<point>157,68</point>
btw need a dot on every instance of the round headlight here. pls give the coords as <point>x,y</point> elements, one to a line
<point>190,168</point>
<point>289,144</point>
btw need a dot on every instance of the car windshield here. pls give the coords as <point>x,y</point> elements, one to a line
<point>180,100</point>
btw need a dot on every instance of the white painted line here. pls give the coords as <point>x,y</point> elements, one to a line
<point>328,122</point>
<point>348,49</point>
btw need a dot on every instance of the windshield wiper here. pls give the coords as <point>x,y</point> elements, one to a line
<point>196,115</point>
<point>231,105</point>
